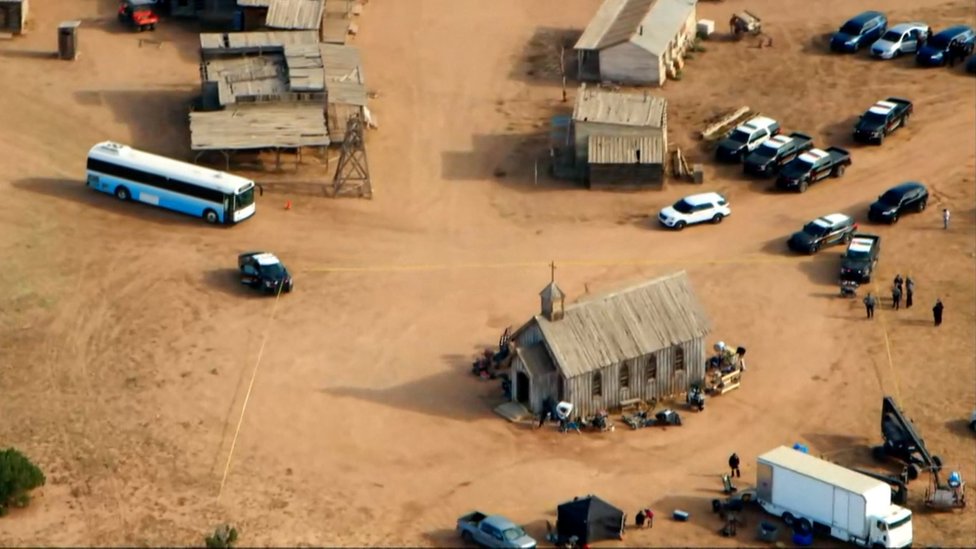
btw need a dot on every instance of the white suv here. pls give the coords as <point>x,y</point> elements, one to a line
<point>696,208</point>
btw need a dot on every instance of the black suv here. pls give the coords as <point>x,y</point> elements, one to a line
<point>264,271</point>
<point>823,231</point>
<point>907,197</point>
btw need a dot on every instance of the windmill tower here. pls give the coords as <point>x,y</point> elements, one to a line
<point>352,172</point>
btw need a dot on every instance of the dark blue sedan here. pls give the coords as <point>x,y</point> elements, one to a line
<point>860,31</point>
<point>935,52</point>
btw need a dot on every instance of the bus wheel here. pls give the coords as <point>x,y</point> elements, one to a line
<point>210,216</point>
<point>122,193</point>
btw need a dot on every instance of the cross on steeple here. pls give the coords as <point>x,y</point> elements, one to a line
<point>552,271</point>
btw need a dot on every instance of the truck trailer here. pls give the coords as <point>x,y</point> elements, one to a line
<point>830,499</point>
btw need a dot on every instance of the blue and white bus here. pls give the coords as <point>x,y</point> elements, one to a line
<point>217,197</point>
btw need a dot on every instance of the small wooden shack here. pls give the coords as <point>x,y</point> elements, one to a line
<point>636,41</point>
<point>644,342</point>
<point>620,138</point>
<point>13,16</point>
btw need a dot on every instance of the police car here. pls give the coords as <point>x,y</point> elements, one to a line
<point>264,271</point>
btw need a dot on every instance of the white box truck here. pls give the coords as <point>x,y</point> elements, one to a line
<point>831,499</point>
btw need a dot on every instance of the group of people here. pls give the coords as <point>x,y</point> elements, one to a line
<point>644,518</point>
<point>899,288</point>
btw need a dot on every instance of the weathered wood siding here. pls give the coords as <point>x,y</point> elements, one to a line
<point>667,383</point>
<point>539,389</point>
<point>532,334</point>
<point>583,130</point>
<point>628,63</point>
<point>609,176</point>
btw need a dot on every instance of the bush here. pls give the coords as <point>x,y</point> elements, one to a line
<point>223,536</point>
<point>18,476</point>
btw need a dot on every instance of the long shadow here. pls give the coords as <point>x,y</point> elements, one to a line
<point>459,395</point>
<point>839,134</point>
<point>228,281</point>
<point>76,191</point>
<point>823,269</point>
<point>846,450</point>
<point>960,427</point>
<point>129,107</point>
<point>518,161</point>
<point>29,54</point>
<point>541,59</point>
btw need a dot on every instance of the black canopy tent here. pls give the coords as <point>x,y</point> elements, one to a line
<point>590,519</point>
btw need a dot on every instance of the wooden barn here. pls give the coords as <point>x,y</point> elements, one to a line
<point>636,41</point>
<point>13,16</point>
<point>643,342</point>
<point>619,138</point>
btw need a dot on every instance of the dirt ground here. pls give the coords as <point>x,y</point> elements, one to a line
<point>127,346</point>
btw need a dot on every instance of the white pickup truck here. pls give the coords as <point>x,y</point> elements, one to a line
<point>495,531</point>
<point>746,138</point>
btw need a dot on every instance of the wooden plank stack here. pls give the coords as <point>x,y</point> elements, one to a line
<point>719,128</point>
<point>679,165</point>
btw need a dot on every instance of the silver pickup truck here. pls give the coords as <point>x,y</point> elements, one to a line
<point>496,532</point>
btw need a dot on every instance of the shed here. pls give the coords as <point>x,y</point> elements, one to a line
<point>636,41</point>
<point>13,16</point>
<point>644,342</point>
<point>620,137</point>
<point>589,519</point>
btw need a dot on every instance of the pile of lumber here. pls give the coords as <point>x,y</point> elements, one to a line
<point>718,129</point>
<point>679,165</point>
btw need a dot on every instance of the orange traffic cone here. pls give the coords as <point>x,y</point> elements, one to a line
<point>288,204</point>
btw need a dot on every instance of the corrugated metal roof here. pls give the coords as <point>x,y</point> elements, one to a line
<point>624,325</point>
<point>650,24</point>
<point>826,471</point>
<point>628,109</point>
<point>536,359</point>
<point>299,62</point>
<point>286,125</point>
<point>295,14</point>
<point>619,149</point>
<point>615,22</point>
<point>345,83</point>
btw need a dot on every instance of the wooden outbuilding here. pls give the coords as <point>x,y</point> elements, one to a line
<point>619,138</point>
<point>644,342</point>
<point>13,16</point>
<point>636,41</point>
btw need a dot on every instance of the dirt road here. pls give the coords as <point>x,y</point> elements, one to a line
<point>127,347</point>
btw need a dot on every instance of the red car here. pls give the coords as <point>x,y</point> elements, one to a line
<point>138,13</point>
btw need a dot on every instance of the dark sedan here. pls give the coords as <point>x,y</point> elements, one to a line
<point>907,197</point>
<point>824,231</point>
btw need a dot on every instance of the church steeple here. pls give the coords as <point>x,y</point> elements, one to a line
<point>553,299</point>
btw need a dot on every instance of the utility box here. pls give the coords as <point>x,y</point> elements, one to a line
<point>705,28</point>
<point>13,16</point>
<point>68,40</point>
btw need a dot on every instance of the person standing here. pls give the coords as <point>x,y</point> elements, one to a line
<point>639,518</point>
<point>945,218</point>
<point>869,303</point>
<point>899,282</point>
<point>649,516</point>
<point>734,466</point>
<point>937,312</point>
<point>909,292</point>
<point>896,297</point>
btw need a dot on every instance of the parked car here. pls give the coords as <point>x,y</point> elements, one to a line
<point>140,14</point>
<point>697,208</point>
<point>823,231</point>
<point>745,138</point>
<point>907,197</point>
<point>861,258</point>
<point>495,531</point>
<point>883,118</point>
<point>859,31</point>
<point>778,150</point>
<point>812,166</point>
<point>935,52</point>
<point>901,39</point>
<point>264,271</point>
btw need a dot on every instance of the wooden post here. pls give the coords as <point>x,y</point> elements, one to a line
<point>562,68</point>
<point>536,171</point>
